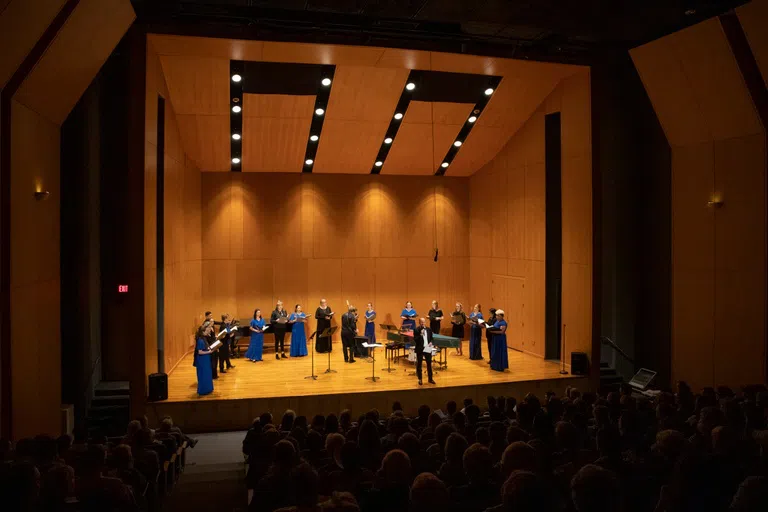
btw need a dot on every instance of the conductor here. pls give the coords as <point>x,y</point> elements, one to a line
<point>422,340</point>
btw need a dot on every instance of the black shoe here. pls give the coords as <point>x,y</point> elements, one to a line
<point>214,378</point>
<point>420,383</point>
<point>352,361</point>
<point>284,356</point>
<point>431,381</point>
<point>277,356</point>
<point>346,360</point>
<point>230,367</point>
<point>222,371</point>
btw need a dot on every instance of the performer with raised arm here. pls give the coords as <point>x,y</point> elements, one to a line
<point>409,317</point>
<point>279,321</point>
<point>435,316</point>
<point>458,319</point>
<point>475,334</point>
<point>256,347</point>
<point>422,340</point>
<point>298,332</point>
<point>348,333</point>
<point>323,314</point>
<point>370,323</point>
<point>499,357</point>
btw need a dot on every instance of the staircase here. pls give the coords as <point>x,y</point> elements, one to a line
<point>609,379</point>
<point>110,409</point>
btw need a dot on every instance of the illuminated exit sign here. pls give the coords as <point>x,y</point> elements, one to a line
<point>122,288</point>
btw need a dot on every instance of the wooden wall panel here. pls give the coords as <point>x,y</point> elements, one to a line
<point>253,287</point>
<point>535,213</point>
<point>324,282</point>
<point>197,85</point>
<point>576,209</point>
<point>365,93</point>
<point>206,138</point>
<point>235,49</point>
<point>453,217</point>
<point>752,17</point>
<point>85,41</point>
<point>349,147</point>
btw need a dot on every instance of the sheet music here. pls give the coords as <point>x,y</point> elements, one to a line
<point>215,345</point>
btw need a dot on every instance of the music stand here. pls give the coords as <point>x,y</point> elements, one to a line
<point>313,376</point>
<point>328,333</point>
<point>372,347</point>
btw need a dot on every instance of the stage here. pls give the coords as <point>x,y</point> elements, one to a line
<point>271,385</point>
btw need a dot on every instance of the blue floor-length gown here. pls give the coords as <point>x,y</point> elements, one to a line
<point>370,327</point>
<point>410,322</point>
<point>256,347</point>
<point>475,338</point>
<point>499,357</point>
<point>298,335</point>
<point>204,373</point>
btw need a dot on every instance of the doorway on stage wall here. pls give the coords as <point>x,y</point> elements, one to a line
<point>508,293</point>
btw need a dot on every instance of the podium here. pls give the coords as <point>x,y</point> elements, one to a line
<point>328,333</point>
<point>372,347</point>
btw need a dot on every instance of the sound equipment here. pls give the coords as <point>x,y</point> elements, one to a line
<point>158,387</point>
<point>579,363</point>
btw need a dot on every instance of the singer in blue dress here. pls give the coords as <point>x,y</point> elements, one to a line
<point>203,363</point>
<point>499,357</point>
<point>298,333</point>
<point>409,317</point>
<point>475,334</point>
<point>370,324</point>
<point>256,347</point>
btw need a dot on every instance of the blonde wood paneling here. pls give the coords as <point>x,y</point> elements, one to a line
<point>219,285</point>
<point>391,289</point>
<point>693,326</point>
<point>535,212</point>
<point>358,282</point>
<point>234,49</point>
<point>365,93</point>
<point>84,42</point>
<point>197,85</point>
<point>515,221</point>
<point>278,105</point>
<point>453,217</point>
<point>576,115</point>
<point>577,307</point>
<point>21,24</point>
<point>206,138</point>
<point>752,16</point>
<point>576,209</point>
<point>408,59</point>
<point>253,287</point>
<point>321,53</point>
<point>407,216</point>
<point>480,147</point>
<point>324,282</point>
<point>454,275</point>
<point>291,282</point>
<point>349,147</point>
<point>422,278</point>
<point>273,144</point>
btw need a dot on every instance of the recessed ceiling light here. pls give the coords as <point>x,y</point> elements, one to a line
<point>326,82</point>
<point>319,111</point>
<point>398,116</point>
<point>472,119</point>
<point>236,109</point>
<point>444,165</point>
<point>236,78</point>
<point>309,161</point>
<point>410,86</point>
<point>457,143</point>
<point>488,91</point>
<point>235,160</point>
<point>379,163</point>
<point>388,140</point>
<point>236,136</point>
<point>314,138</point>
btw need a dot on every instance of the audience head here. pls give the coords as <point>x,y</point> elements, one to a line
<point>450,408</point>
<point>305,485</point>
<point>442,432</point>
<point>58,484</point>
<point>429,493</point>
<point>751,496</point>
<point>478,463</point>
<point>349,456</point>
<point>333,444</point>
<point>524,491</point>
<point>410,444</point>
<point>594,489</point>
<point>518,456</point>
<point>455,446</point>
<point>286,425</point>
<point>285,454</point>
<point>396,468</point>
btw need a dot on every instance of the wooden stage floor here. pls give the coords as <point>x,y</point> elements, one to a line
<point>251,388</point>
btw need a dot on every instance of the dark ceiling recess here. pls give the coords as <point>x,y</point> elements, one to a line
<point>547,30</point>
<point>414,78</point>
<point>286,78</point>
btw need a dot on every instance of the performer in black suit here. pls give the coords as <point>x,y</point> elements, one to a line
<point>226,343</point>
<point>348,333</point>
<point>323,314</point>
<point>279,323</point>
<point>488,334</point>
<point>422,343</point>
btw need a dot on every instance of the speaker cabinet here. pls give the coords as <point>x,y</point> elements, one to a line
<point>158,387</point>
<point>579,363</point>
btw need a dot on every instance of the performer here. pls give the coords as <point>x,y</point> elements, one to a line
<point>422,340</point>
<point>298,332</point>
<point>458,319</point>
<point>256,347</point>
<point>348,333</point>
<point>499,357</point>
<point>279,321</point>
<point>435,315</point>
<point>211,339</point>
<point>227,339</point>
<point>370,324</point>
<point>409,317</point>
<point>324,316</point>
<point>475,334</point>
<point>203,360</point>
<point>488,334</point>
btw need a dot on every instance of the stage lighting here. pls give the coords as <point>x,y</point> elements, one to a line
<point>410,86</point>
<point>314,138</point>
<point>235,160</point>
<point>398,116</point>
<point>388,140</point>
<point>444,165</point>
<point>309,161</point>
<point>236,136</point>
<point>457,143</point>
<point>236,78</point>
<point>379,163</point>
<point>488,91</point>
<point>236,109</point>
<point>472,119</point>
<point>319,111</point>
<point>326,82</point>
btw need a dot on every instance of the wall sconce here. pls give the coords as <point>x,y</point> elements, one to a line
<point>715,202</point>
<point>41,195</point>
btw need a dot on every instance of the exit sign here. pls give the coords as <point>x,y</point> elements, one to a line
<point>122,288</point>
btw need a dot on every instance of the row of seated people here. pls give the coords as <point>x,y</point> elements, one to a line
<point>579,452</point>
<point>82,473</point>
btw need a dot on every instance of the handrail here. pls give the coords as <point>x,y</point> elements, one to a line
<point>605,340</point>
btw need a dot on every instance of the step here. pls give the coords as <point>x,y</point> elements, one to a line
<point>112,388</point>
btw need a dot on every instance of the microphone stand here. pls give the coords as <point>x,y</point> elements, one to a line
<point>313,376</point>
<point>562,354</point>
<point>329,332</point>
